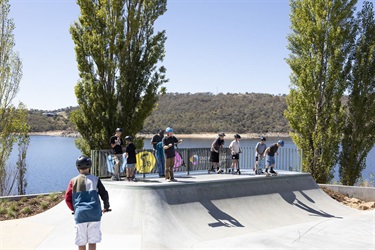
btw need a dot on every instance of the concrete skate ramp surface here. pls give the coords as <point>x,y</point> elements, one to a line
<point>213,212</point>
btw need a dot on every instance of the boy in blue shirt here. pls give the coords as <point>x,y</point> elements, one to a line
<point>82,197</point>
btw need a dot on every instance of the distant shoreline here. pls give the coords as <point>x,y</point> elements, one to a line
<point>64,133</point>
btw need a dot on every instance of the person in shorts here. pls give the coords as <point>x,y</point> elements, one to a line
<point>82,197</point>
<point>270,156</point>
<point>216,145</point>
<point>169,142</point>
<point>259,152</point>
<point>116,143</point>
<point>235,148</point>
<point>130,158</point>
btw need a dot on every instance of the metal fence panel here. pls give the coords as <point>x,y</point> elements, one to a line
<point>198,159</point>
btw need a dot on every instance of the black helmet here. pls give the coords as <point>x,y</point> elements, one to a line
<point>119,130</point>
<point>83,162</point>
<point>128,138</point>
<point>221,134</point>
<point>262,138</point>
<point>237,136</point>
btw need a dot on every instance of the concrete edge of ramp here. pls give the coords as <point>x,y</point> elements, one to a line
<point>204,212</point>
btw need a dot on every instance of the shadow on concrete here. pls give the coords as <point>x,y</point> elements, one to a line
<point>291,198</point>
<point>223,219</point>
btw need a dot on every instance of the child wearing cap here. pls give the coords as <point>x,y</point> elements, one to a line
<point>82,197</point>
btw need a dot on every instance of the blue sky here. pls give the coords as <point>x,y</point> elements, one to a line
<point>216,46</point>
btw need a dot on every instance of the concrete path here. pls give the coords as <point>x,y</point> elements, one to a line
<point>207,212</point>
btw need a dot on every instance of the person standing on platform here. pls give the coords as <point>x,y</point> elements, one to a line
<point>130,158</point>
<point>235,148</point>
<point>160,159</point>
<point>168,145</point>
<point>270,156</point>
<point>117,143</point>
<point>216,146</point>
<point>157,138</point>
<point>259,152</point>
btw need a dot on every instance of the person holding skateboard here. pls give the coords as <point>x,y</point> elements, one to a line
<point>82,197</point>
<point>259,152</point>
<point>270,157</point>
<point>235,148</point>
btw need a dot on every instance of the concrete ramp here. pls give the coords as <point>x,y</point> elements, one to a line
<point>213,212</point>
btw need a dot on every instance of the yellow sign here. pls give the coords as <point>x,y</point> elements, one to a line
<point>145,162</point>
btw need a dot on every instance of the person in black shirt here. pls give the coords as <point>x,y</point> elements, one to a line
<point>168,144</point>
<point>130,158</point>
<point>116,143</point>
<point>216,145</point>
<point>157,138</point>
<point>270,156</point>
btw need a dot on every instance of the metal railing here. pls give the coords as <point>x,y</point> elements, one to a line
<point>198,159</point>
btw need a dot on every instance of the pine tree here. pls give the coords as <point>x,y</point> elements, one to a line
<point>319,44</point>
<point>359,129</point>
<point>118,55</point>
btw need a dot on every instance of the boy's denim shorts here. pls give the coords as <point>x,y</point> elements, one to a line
<point>270,160</point>
<point>132,165</point>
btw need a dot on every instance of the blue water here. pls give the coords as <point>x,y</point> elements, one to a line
<point>51,160</point>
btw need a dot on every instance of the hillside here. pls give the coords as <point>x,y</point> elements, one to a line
<point>209,113</point>
<point>194,113</point>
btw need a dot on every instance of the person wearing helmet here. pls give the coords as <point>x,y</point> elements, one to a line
<point>82,197</point>
<point>130,158</point>
<point>169,142</point>
<point>235,148</point>
<point>117,143</point>
<point>259,152</point>
<point>270,156</point>
<point>216,145</point>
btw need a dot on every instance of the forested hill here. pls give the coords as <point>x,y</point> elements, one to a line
<point>194,113</point>
<point>209,113</point>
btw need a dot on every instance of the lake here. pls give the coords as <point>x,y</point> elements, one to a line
<point>51,160</point>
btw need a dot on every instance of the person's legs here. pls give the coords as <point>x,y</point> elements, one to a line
<point>168,165</point>
<point>92,246</point>
<point>171,173</point>
<point>81,247</point>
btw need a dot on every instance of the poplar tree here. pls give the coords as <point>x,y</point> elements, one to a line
<point>118,55</point>
<point>359,129</point>
<point>13,121</point>
<point>319,46</point>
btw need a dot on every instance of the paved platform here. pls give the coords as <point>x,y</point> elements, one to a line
<point>207,211</point>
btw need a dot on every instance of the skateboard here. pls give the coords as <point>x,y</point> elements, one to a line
<point>270,175</point>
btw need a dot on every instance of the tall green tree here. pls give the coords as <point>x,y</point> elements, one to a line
<point>359,129</point>
<point>118,55</point>
<point>319,46</point>
<point>12,120</point>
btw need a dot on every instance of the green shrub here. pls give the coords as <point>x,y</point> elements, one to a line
<point>44,205</point>
<point>26,210</point>
<point>24,199</point>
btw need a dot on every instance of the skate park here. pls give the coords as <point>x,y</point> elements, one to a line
<point>207,211</point>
